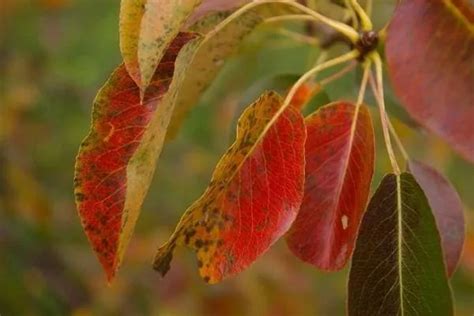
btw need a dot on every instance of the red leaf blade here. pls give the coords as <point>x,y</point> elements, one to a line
<point>429,50</point>
<point>253,198</point>
<point>117,159</point>
<point>339,169</point>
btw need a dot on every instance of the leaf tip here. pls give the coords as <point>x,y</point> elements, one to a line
<point>210,280</point>
<point>163,258</point>
<point>110,268</point>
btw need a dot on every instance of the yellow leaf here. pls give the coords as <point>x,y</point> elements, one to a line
<point>147,27</point>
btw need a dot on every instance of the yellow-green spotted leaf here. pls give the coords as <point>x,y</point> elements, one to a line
<point>147,27</point>
<point>212,54</point>
<point>117,159</point>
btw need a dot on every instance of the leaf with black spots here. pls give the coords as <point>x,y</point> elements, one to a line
<point>117,159</point>
<point>253,197</point>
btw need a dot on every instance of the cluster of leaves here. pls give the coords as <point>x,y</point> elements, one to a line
<point>308,178</point>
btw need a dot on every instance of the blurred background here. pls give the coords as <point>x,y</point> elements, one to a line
<point>54,56</point>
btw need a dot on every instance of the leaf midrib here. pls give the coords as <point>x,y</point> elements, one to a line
<point>458,14</point>
<point>400,241</point>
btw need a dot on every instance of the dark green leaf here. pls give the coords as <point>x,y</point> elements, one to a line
<point>398,267</point>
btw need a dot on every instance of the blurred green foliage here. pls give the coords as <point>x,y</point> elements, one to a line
<point>54,55</point>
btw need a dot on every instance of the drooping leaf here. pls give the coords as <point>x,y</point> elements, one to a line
<point>212,54</point>
<point>430,49</point>
<point>397,266</point>
<point>253,197</point>
<point>447,209</point>
<point>339,168</point>
<point>117,159</point>
<point>147,27</point>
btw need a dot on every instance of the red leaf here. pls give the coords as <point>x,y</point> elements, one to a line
<point>117,159</point>
<point>447,209</point>
<point>339,168</point>
<point>253,197</point>
<point>430,49</point>
<point>304,94</point>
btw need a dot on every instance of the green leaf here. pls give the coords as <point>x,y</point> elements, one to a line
<point>397,267</point>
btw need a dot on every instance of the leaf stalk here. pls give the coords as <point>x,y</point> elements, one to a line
<point>344,29</point>
<point>383,113</point>
<point>366,23</point>
<point>403,151</point>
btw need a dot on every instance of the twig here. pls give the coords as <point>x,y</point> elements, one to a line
<point>298,37</point>
<point>337,75</point>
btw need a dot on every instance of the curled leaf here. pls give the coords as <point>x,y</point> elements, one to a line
<point>253,197</point>
<point>430,49</point>
<point>447,209</point>
<point>117,159</point>
<point>147,27</point>
<point>339,168</point>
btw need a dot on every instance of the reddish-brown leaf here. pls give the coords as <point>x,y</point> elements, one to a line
<point>117,159</point>
<point>447,209</point>
<point>253,197</point>
<point>430,49</point>
<point>339,168</point>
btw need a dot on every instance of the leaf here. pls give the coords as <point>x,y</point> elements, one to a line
<point>304,94</point>
<point>397,266</point>
<point>117,159</point>
<point>253,197</point>
<point>429,49</point>
<point>447,209</point>
<point>209,6</point>
<point>339,168</point>
<point>212,54</point>
<point>147,27</point>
